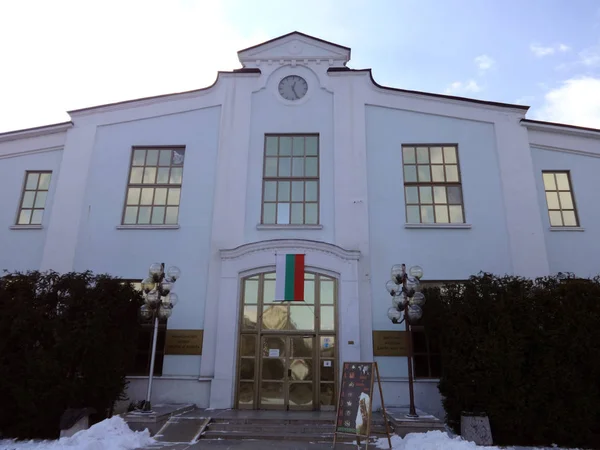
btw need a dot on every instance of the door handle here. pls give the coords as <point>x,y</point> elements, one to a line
<point>289,373</point>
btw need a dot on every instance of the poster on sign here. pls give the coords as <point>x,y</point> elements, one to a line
<point>355,401</point>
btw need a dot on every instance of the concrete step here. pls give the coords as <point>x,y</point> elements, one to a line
<point>299,428</point>
<point>280,436</point>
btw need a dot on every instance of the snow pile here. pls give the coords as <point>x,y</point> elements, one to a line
<point>110,434</point>
<point>432,440</point>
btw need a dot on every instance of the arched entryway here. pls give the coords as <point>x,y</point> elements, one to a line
<point>287,355</point>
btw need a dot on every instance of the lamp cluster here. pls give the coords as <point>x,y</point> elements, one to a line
<point>405,289</point>
<point>158,298</point>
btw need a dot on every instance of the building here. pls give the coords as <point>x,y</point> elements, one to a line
<point>297,153</point>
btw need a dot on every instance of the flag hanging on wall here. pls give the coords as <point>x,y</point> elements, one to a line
<point>289,276</point>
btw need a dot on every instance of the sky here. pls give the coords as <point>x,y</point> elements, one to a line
<point>62,55</point>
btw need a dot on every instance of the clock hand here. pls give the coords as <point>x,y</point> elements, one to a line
<point>294,90</point>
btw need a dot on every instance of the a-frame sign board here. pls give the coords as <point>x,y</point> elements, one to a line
<point>355,404</point>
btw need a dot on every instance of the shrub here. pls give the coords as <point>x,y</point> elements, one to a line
<point>65,342</point>
<point>526,352</point>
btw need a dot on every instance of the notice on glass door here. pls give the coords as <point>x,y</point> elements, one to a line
<point>273,353</point>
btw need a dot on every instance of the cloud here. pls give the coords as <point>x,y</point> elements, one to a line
<point>576,102</point>
<point>590,57</point>
<point>463,88</point>
<point>484,62</point>
<point>540,51</point>
<point>525,100</point>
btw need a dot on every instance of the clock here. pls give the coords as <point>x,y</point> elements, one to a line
<point>293,87</point>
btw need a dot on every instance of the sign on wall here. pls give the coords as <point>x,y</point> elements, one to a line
<point>184,342</point>
<point>390,343</point>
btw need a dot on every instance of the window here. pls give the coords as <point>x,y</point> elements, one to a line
<point>432,185</point>
<point>141,362</point>
<point>426,354</point>
<point>33,200</point>
<point>291,180</point>
<point>559,198</point>
<point>154,187</point>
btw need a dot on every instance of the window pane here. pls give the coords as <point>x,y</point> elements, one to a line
<point>44,181</point>
<point>163,175</point>
<point>302,317</point>
<point>441,214</point>
<point>271,146</point>
<point>298,146</point>
<point>269,290</point>
<point>555,218</point>
<point>270,193</point>
<point>425,194</point>
<point>436,155</point>
<point>549,183</point>
<point>28,198</point>
<point>552,199</point>
<point>32,181</point>
<point>149,175</point>
<point>456,214</point>
<point>312,191</point>
<point>311,144</point>
<point>160,196</point>
<point>452,174</point>
<point>422,155</point>
<point>24,217</point>
<point>327,292</point>
<point>40,199</point>
<point>450,155</point>
<point>283,192</point>
<point>309,291</point>
<point>410,174</point>
<point>437,173</point>
<point>275,317</point>
<point>248,345</point>
<point>297,191</point>
<point>285,146</point>
<point>139,156</point>
<point>250,317</point>
<point>147,195</point>
<point>454,195</point>
<point>144,215</point>
<point>283,213</point>
<point>327,318</point>
<point>412,214</point>
<point>562,181</point>
<point>412,194</point>
<point>136,175</point>
<point>409,155</point>
<point>566,201</point>
<point>297,167</point>
<point>251,291</point>
<point>427,214</point>
<point>297,213</point>
<point>271,167</point>
<point>285,167</point>
<point>152,158</point>
<point>178,157</point>
<point>133,196</point>
<point>165,158</point>
<point>568,219</point>
<point>172,215</point>
<point>130,215</point>
<point>36,216</point>
<point>312,213</point>
<point>312,167</point>
<point>439,194</point>
<point>173,197</point>
<point>247,369</point>
<point>176,175</point>
<point>424,174</point>
<point>269,213</point>
<point>158,215</point>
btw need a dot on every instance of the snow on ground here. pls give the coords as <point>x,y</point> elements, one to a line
<point>110,434</point>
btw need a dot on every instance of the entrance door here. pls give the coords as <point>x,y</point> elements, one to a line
<point>287,372</point>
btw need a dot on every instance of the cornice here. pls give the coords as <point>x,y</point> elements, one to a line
<point>274,245</point>
<point>564,150</point>
<point>35,132</point>
<point>561,128</point>
<point>30,152</point>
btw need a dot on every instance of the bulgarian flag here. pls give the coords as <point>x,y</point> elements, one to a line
<point>289,276</point>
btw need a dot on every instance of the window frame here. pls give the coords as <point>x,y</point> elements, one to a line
<point>22,197</point>
<point>290,179</point>
<point>432,183</point>
<point>155,185</point>
<point>558,191</point>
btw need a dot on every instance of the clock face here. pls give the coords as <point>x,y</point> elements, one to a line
<point>293,87</point>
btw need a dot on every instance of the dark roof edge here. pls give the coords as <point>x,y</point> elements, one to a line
<point>561,125</point>
<point>289,34</point>
<point>429,94</point>
<point>243,70</point>
<point>34,129</point>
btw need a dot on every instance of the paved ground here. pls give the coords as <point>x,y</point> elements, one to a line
<point>254,445</point>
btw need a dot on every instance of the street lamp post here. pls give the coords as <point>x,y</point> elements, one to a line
<point>407,301</point>
<point>159,301</point>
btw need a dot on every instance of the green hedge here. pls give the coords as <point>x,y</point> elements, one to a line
<point>526,352</point>
<point>65,342</point>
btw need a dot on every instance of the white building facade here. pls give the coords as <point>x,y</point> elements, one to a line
<point>296,153</point>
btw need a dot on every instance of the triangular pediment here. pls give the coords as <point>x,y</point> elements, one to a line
<point>295,46</point>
